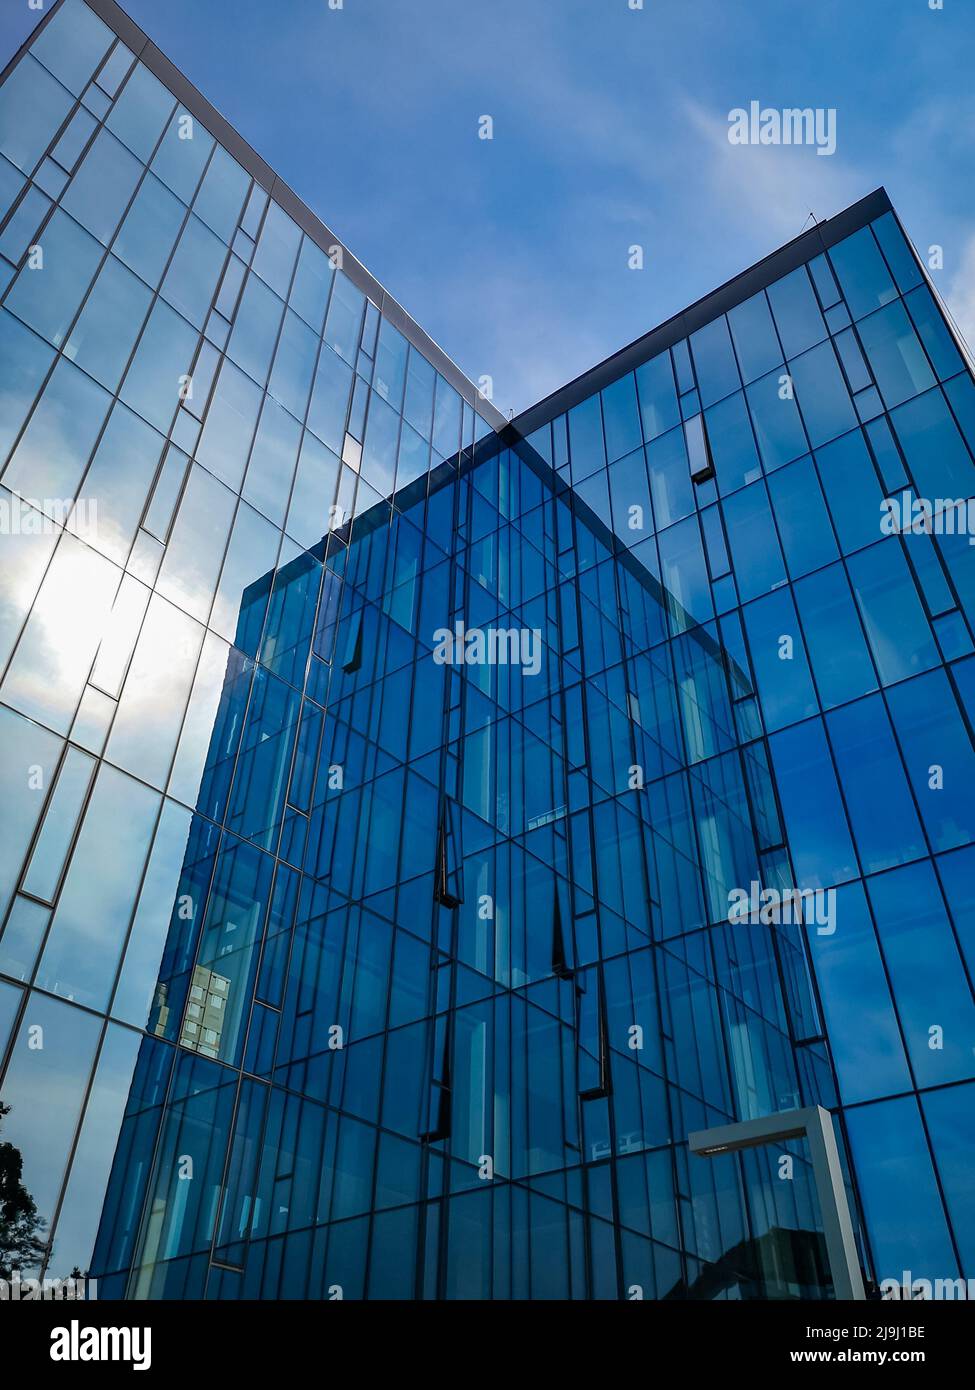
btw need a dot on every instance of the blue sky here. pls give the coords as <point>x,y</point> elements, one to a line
<point>610,130</point>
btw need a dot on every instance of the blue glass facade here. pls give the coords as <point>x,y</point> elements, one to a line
<point>379,777</point>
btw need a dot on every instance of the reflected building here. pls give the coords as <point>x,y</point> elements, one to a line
<point>361,969</point>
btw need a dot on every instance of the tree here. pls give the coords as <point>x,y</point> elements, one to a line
<point>21,1243</point>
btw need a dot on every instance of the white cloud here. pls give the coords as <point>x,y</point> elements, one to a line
<point>960,294</point>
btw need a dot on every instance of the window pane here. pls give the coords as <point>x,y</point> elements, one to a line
<point>896,627</point>
<point>184,150</point>
<point>755,339</point>
<point>148,234</point>
<point>272,462</point>
<point>100,191</point>
<point>109,324</point>
<point>927,974</point>
<point>778,428</point>
<point>162,360</point>
<point>840,660</point>
<point>797,314</point>
<point>714,358</point>
<point>73,45</point>
<point>822,394</point>
<point>229,429</point>
<point>141,112</point>
<point>44,1133</point>
<point>860,268</point>
<point>47,298</point>
<point>193,272</point>
<point>92,917</point>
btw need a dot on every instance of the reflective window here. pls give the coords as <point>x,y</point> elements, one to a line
<point>939,757</point>
<point>60,1067</point>
<point>255,332</point>
<point>294,363</point>
<point>107,327</point>
<point>863,276</point>
<point>277,249</point>
<point>312,283</point>
<point>49,461</point>
<point>878,798</point>
<point>905,1219</point>
<point>732,444</point>
<point>823,397</point>
<point>148,234</point>
<point>272,462</point>
<point>714,359</point>
<point>893,618</point>
<point>779,660</point>
<point>895,354</point>
<point>226,439</point>
<point>797,314</point>
<point>92,916</point>
<point>100,191</point>
<point>195,551</point>
<point>182,155</point>
<point>932,995</point>
<point>73,45</point>
<point>140,112</point>
<point>840,660</point>
<point>756,342</point>
<point>47,298</point>
<point>193,272</point>
<point>860,1016</point>
<point>803,521</point>
<point>24,361</point>
<point>32,107</point>
<point>778,427</point>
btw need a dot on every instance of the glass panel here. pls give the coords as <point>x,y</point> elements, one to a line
<point>24,361</point>
<point>182,154</point>
<point>222,194</point>
<point>57,829</point>
<point>896,627</point>
<point>49,462</point>
<point>840,661</point>
<point>229,428</point>
<point>256,329</point>
<point>32,107</point>
<point>895,354</point>
<point>155,380</point>
<point>294,364</point>
<point>107,327</point>
<point>193,272</point>
<point>60,1067</point>
<point>195,552</point>
<point>714,359</point>
<point>272,462</point>
<point>143,737</point>
<point>141,112</point>
<point>148,234</point>
<point>47,298</point>
<point>861,271</point>
<point>797,314</point>
<point>73,45</point>
<point>755,338</point>
<point>100,191</point>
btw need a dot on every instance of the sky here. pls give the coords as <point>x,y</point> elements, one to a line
<point>610,131</point>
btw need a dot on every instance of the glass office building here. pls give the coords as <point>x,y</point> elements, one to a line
<point>384,784</point>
